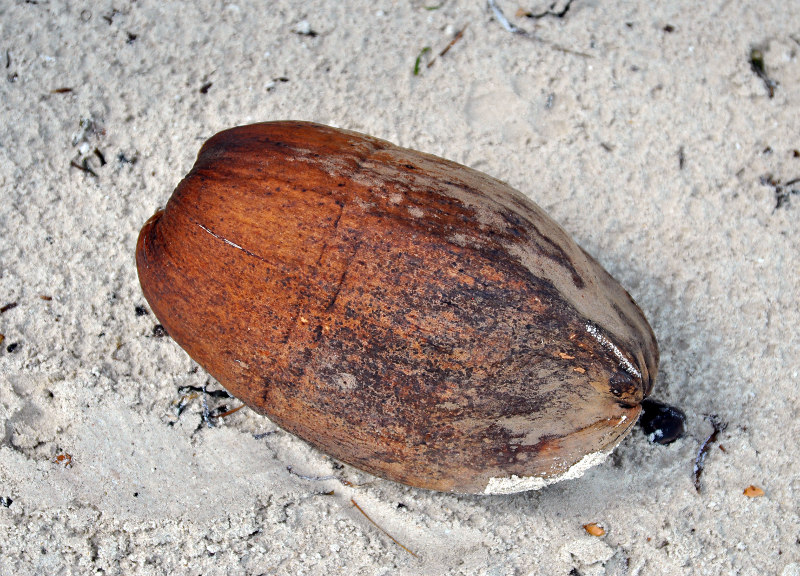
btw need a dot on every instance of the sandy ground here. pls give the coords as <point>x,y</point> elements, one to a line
<point>640,126</point>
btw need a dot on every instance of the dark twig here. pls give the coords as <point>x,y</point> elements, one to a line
<point>757,66</point>
<point>549,12</point>
<point>783,190</point>
<point>83,167</point>
<point>445,50</point>
<point>228,412</point>
<point>700,460</point>
<point>455,39</point>
<point>7,307</point>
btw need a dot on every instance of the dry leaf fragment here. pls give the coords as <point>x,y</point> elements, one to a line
<point>594,529</point>
<point>753,492</point>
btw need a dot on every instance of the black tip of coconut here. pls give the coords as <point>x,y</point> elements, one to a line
<point>662,423</point>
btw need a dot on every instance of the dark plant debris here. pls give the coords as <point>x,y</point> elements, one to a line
<point>84,167</point>
<point>11,76</point>
<point>159,331</point>
<point>504,22</point>
<point>202,389</point>
<point>427,49</point>
<point>110,16</point>
<point>551,11</point>
<point>182,404</point>
<point>271,85</point>
<point>123,159</point>
<point>757,66</point>
<point>700,460</point>
<point>223,411</point>
<point>681,158</point>
<point>190,393</point>
<point>9,306</point>
<point>5,501</point>
<point>783,190</point>
<point>455,39</point>
<point>88,127</point>
<point>206,87</point>
<point>140,311</point>
<point>13,347</point>
<point>303,28</point>
<point>227,413</point>
<point>84,164</point>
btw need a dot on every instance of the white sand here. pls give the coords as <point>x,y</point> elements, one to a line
<point>589,120</point>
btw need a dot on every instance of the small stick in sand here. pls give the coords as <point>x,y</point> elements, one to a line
<point>455,39</point>
<point>700,460</point>
<point>228,412</point>
<point>381,529</point>
<point>83,167</point>
<point>7,307</point>
<point>418,63</point>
